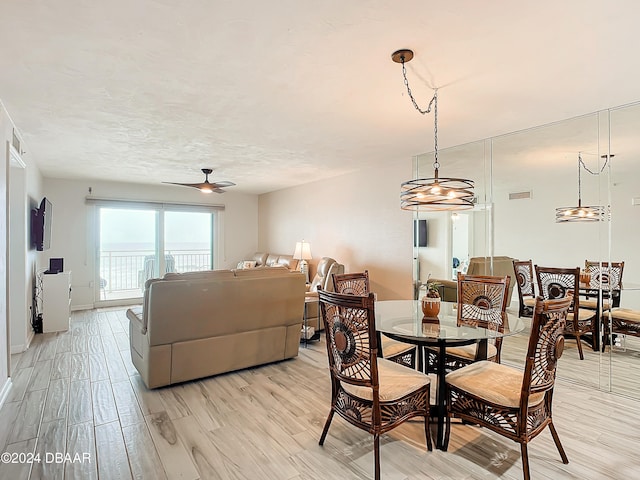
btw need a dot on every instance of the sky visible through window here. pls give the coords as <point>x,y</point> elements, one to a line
<point>134,230</point>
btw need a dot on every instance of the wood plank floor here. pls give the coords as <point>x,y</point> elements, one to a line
<point>77,393</point>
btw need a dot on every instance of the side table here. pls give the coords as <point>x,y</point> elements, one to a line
<point>316,334</point>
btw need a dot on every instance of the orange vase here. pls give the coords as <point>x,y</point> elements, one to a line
<point>431,306</point>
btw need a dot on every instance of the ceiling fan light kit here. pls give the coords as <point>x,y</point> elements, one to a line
<point>434,193</point>
<point>206,186</point>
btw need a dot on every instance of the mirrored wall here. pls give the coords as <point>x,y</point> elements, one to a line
<point>520,180</point>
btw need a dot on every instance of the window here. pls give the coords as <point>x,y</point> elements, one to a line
<point>142,240</point>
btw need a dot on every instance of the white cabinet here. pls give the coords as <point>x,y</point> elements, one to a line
<point>56,301</point>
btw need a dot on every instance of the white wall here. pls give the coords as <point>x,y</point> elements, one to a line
<point>354,218</point>
<point>25,187</point>
<point>6,129</point>
<point>73,235</point>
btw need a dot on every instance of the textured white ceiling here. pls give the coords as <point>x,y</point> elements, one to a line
<point>275,94</point>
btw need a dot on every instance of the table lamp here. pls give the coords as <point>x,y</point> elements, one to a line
<point>303,253</point>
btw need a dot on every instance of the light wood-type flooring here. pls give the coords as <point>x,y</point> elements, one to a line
<point>77,392</point>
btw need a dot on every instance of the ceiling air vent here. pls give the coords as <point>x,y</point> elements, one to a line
<point>520,195</point>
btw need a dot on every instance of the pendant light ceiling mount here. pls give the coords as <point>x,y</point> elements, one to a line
<point>435,193</point>
<point>402,56</point>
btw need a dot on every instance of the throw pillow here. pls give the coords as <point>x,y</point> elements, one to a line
<point>249,264</point>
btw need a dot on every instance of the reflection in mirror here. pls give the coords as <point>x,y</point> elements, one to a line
<point>465,161</point>
<point>521,178</point>
<point>461,242</point>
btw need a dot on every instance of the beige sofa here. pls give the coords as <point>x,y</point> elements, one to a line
<point>479,266</point>
<point>501,266</point>
<point>198,324</point>
<point>263,259</point>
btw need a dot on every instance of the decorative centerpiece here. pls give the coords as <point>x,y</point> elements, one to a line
<point>585,277</point>
<point>431,301</point>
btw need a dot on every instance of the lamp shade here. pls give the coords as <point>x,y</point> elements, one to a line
<point>580,214</point>
<point>302,251</point>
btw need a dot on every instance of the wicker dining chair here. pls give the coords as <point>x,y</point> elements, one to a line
<point>482,301</point>
<point>557,283</point>
<point>526,287</point>
<point>358,284</point>
<point>513,403</point>
<point>371,393</point>
<point>609,278</point>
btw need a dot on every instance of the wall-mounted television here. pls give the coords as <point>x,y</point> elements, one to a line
<point>41,225</point>
<point>420,233</point>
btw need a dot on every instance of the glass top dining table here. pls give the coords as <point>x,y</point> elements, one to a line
<point>404,321</point>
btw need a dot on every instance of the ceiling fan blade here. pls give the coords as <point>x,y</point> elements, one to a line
<point>194,185</point>
<point>206,186</point>
<point>222,184</point>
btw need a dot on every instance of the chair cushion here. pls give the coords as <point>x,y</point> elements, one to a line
<point>529,301</point>
<point>493,382</point>
<point>626,314</point>
<point>391,348</point>
<point>583,314</point>
<point>593,304</point>
<point>395,382</point>
<point>468,352</point>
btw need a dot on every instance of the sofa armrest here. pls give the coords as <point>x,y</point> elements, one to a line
<point>135,316</point>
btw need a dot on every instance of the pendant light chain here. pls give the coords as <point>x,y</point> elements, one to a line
<point>579,181</point>
<point>432,193</point>
<point>434,100</point>
<point>413,100</point>
<point>434,103</point>
<point>581,163</point>
<point>601,170</point>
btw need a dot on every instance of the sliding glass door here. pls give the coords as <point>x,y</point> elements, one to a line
<point>188,242</point>
<point>127,242</point>
<point>137,243</point>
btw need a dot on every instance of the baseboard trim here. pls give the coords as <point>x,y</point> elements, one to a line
<point>23,347</point>
<point>4,393</point>
<point>17,348</point>
<point>82,307</point>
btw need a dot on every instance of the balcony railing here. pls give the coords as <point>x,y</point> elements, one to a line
<point>122,270</point>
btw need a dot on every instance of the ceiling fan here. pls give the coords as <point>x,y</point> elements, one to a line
<point>206,186</point>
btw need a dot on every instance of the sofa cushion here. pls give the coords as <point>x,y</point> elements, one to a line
<point>261,272</point>
<point>260,258</point>
<point>271,259</point>
<point>203,275</point>
<point>287,261</point>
